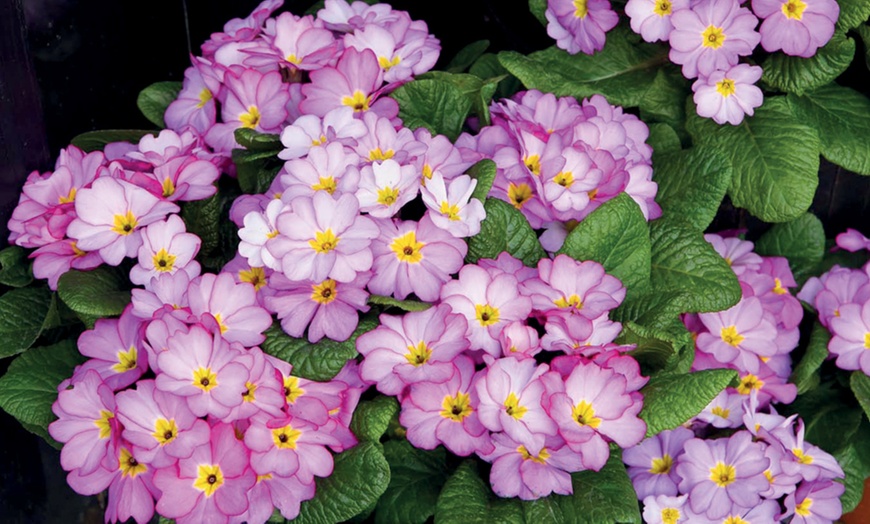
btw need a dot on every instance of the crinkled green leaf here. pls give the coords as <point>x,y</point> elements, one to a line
<point>23,314</point>
<point>15,267</point>
<point>665,99</point>
<point>653,348</point>
<point>864,31</point>
<point>616,236</point>
<point>416,478</point>
<point>860,383</point>
<point>29,387</point>
<point>320,361</point>
<point>360,476</point>
<point>653,309</point>
<point>97,140</point>
<point>505,229</point>
<point>438,105</point>
<point>405,305</point>
<point>488,67</point>
<point>806,373</point>
<point>692,184</point>
<point>371,418</point>
<point>623,72</point>
<point>484,172</point>
<point>774,156</point>
<point>669,400</point>
<point>478,90</point>
<point>682,261</point>
<point>840,116</point>
<point>154,99</point>
<point>538,7</point>
<point>466,56</point>
<point>256,169</point>
<point>853,13</point>
<point>793,74</point>
<point>801,241</point>
<point>849,460</point>
<point>663,138</point>
<point>256,141</point>
<point>99,292</point>
<point>203,219</point>
<point>467,499</point>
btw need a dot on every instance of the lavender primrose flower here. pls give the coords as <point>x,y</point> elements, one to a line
<point>651,19</point>
<point>796,27</point>
<point>726,96</point>
<point>651,463</point>
<point>815,503</point>
<point>851,337</point>
<point>580,25</point>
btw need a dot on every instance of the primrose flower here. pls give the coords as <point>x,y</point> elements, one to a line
<point>446,413</point>
<point>404,48</point>
<point>259,228</point>
<point>417,347</point>
<point>726,96</point>
<point>724,411</point>
<point>383,141</point>
<point>580,25</point>
<point>115,348</point>
<point>109,216</point>
<point>568,182</point>
<point>810,462</point>
<point>832,290</point>
<point>167,247</point>
<point>651,19</point>
<point>233,305</point>
<point>569,287</point>
<point>796,27</point>
<point>53,260</point>
<point>414,257</point>
<point>211,484</point>
<point>531,472</point>
<point>298,43</point>
<point>440,156</point>
<point>519,340</point>
<point>344,17</point>
<point>186,178</point>
<point>852,240</point>
<point>353,82</point>
<point>740,334</point>
<point>308,131</point>
<point>195,105</point>
<point>851,330</point>
<point>331,168</point>
<point>384,187</point>
<point>711,36</point>
<point>664,509</point>
<point>815,502</point>
<point>651,463</point>
<point>451,206</point>
<point>273,491</point>
<point>288,446</point>
<point>322,238</point>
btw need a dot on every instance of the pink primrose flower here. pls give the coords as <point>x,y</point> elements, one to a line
<point>385,187</point>
<point>727,95</point>
<point>519,341</point>
<point>288,446</point>
<point>167,145</point>
<point>132,491</point>
<point>851,333</point>
<point>195,105</point>
<point>852,240</point>
<point>167,289</point>
<point>834,289</point>
<point>344,17</point>
<point>297,44</point>
<point>115,349</point>
<point>271,492</point>
<point>258,277</point>
<point>440,156</point>
<point>331,168</point>
<point>167,247</point>
<point>308,131</point>
<point>651,463</point>
<point>712,35</point>
<point>740,335</point>
<point>263,394</point>
<point>451,207</point>
<point>322,238</point>
<point>209,486</point>
<point>506,263</point>
<point>233,305</point>
<point>567,181</point>
<point>567,286</point>
<point>414,257</point>
<point>796,27</point>
<point>418,347</point>
<point>259,228</point>
<point>580,25</point>
<point>651,19</point>
<point>109,216</point>
<point>186,178</point>
<point>531,473</point>
<point>53,260</point>
<point>815,503</point>
<point>384,141</point>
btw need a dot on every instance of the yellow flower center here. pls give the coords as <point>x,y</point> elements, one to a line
<point>249,395</point>
<point>208,479</point>
<point>293,59</point>
<point>220,321</point>
<point>78,252</point>
<point>456,408</point>
<point>386,63</point>
<point>69,198</point>
<point>407,249</point>
<point>128,465</point>
<point>540,458</point>
<point>713,37</point>
<point>388,196</point>
<point>292,391</point>
<point>250,119</point>
<point>325,184</point>
<point>486,314</point>
<point>125,224</point>
<point>719,411</point>
<point>418,355</point>
<point>427,173</point>
<point>725,87</point>
<point>286,437</point>
<point>564,179</point>
<point>748,383</point>
<point>802,457</point>
<point>866,339</point>
<point>663,8</point>
<point>205,97</point>
<point>580,8</point>
<point>777,287</point>
<point>165,431</point>
<point>359,102</point>
<point>205,379</point>
<point>734,519</point>
<point>126,361</point>
<point>163,261</point>
<point>803,509</point>
<point>104,423</point>
<point>512,406</point>
<point>794,9</point>
<point>767,474</point>
<point>324,241</point>
<point>723,474</point>
<point>662,466</point>
<point>519,194</point>
<point>168,187</point>
<point>584,414</point>
<point>533,162</point>
<point>319,141</point>
<point>255,276</point>
<point>730,336</point>
<point>324,293</point>
<point>376,155</point>
<point>570,302</point>
<point>670,515</point>
<point>450,211</point>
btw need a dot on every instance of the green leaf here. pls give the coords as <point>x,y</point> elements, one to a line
<point>623,72</point>
<point>692,184</point>
<point>538,8</point>
<point>801,241</point>
<point>203,218</point>
<point>774,156</point>
<point>15,267</point>
<point>864,31</point>
<point>467,499</point>
<point>478,91</point>
<point>603,496</point>
<point>653,347</point>
<point>29,387</point>
<point>405,305</point>
<point>853,13</point>
<point>256,141</point>
<point>830,419</point>
<point>360,476</point>
<point>664,101</point>
<point>371,418</point>
<point>416,477</point>
<point>793,74</point>
<point>616,236</point>
<point>256,169</point>
<point>466,56</point>
<point>484,172</point>
<point>98,292</point>
<point>488,67</point>
<point>154,99</point>
<point>682,261</point>
<point>320,361</point>
<point>663,138</point>
<point>23,314</point>
<point>860,383</point>
<point>97,140</point>
<point>439,106</point>
<point>669,400</point>
<point>840,116</point>
<point>653,309</point>
<point>851,463</point>
<point>505,229</point>
<point>806,374</point>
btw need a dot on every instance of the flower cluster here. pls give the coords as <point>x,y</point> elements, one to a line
<point>558,159</point>
<point>842,299</point>
<point>466,372</point>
